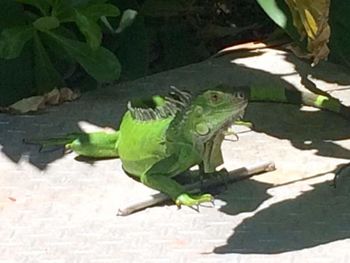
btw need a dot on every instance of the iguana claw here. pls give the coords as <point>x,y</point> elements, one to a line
<point>193,200</point>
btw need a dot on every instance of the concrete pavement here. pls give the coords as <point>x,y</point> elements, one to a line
<point>55,208</point>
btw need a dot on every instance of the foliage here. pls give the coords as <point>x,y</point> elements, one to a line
<point>321,22</point>
<point>52,31</point>
<point>72,43</point>
<point>183,32</point>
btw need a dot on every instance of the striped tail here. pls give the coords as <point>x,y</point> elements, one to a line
<point>292,96</point>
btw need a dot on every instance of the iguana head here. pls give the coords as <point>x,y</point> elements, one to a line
<point>207,114</point>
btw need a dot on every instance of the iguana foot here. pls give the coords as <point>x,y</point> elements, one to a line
<point>193,200</point>
<point>244,123</point>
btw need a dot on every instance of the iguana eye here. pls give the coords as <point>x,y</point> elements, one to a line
<point>214,97</point>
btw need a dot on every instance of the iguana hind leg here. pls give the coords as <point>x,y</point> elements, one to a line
<point>159,177</point>
<point>176,191</point>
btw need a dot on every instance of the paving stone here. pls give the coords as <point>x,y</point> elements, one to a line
<point>56,209</point>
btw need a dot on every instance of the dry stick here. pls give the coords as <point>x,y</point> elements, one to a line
<point>232,176</point>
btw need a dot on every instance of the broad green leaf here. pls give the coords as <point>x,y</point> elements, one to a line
<point>63,11</point>
<point>12,40</point>
<point>42,5</point>
<point>279,12</point>
<point>46,23</point>
<point>126,20</point>
<point>100,63</point>
<point>46,76</point>
<point>62,61</point>
<point>90,29</point>
<point>305,21</point>
<point>97,10</point>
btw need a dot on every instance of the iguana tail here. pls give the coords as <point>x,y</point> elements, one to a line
<point>56,141</point>
<point>96,144</point>
<point>284,95</point>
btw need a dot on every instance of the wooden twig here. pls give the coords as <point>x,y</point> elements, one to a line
<point>230,177</point>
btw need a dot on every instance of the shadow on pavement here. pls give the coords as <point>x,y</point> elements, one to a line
<point>106,106</point>
<point>316,217</point>
<point>244,196</point>
<point>306,130</point>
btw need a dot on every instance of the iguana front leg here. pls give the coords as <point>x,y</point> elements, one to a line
<point>159,177</point>
<point>230,131</point>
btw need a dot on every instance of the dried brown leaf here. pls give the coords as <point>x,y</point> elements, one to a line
<point>53,97</point>
<point>311,20</point>
<point>67,94</point>
<point>35,103</point>
<point>28,104</point>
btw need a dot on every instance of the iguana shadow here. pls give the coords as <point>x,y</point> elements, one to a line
<point>316,217</point>
<point>306,130</point>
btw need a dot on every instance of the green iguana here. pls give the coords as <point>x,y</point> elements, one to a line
<point>162,137</point>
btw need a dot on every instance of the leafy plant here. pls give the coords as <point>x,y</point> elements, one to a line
<point>183,32</point>
<point>60,32</point>
<point>314,26</point>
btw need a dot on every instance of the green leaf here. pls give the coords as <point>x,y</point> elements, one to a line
<point>126,20</point>
<point>279,12</point>
<point>12,40</point>
<point>97,10</point>
<point>46,76</point>
<point>63,11</point>
<point>100,63</point>
<point>90,29</point>
<point>46,23</point>
<point>42,5</point>
<point>62,61</point>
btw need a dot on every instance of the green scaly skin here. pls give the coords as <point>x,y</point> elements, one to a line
<point>158,146</point>
<point>158,150</point>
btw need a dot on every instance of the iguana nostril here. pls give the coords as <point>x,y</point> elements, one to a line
<point>239,95</point>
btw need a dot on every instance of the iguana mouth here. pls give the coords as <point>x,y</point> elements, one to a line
<point>238,115</point>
